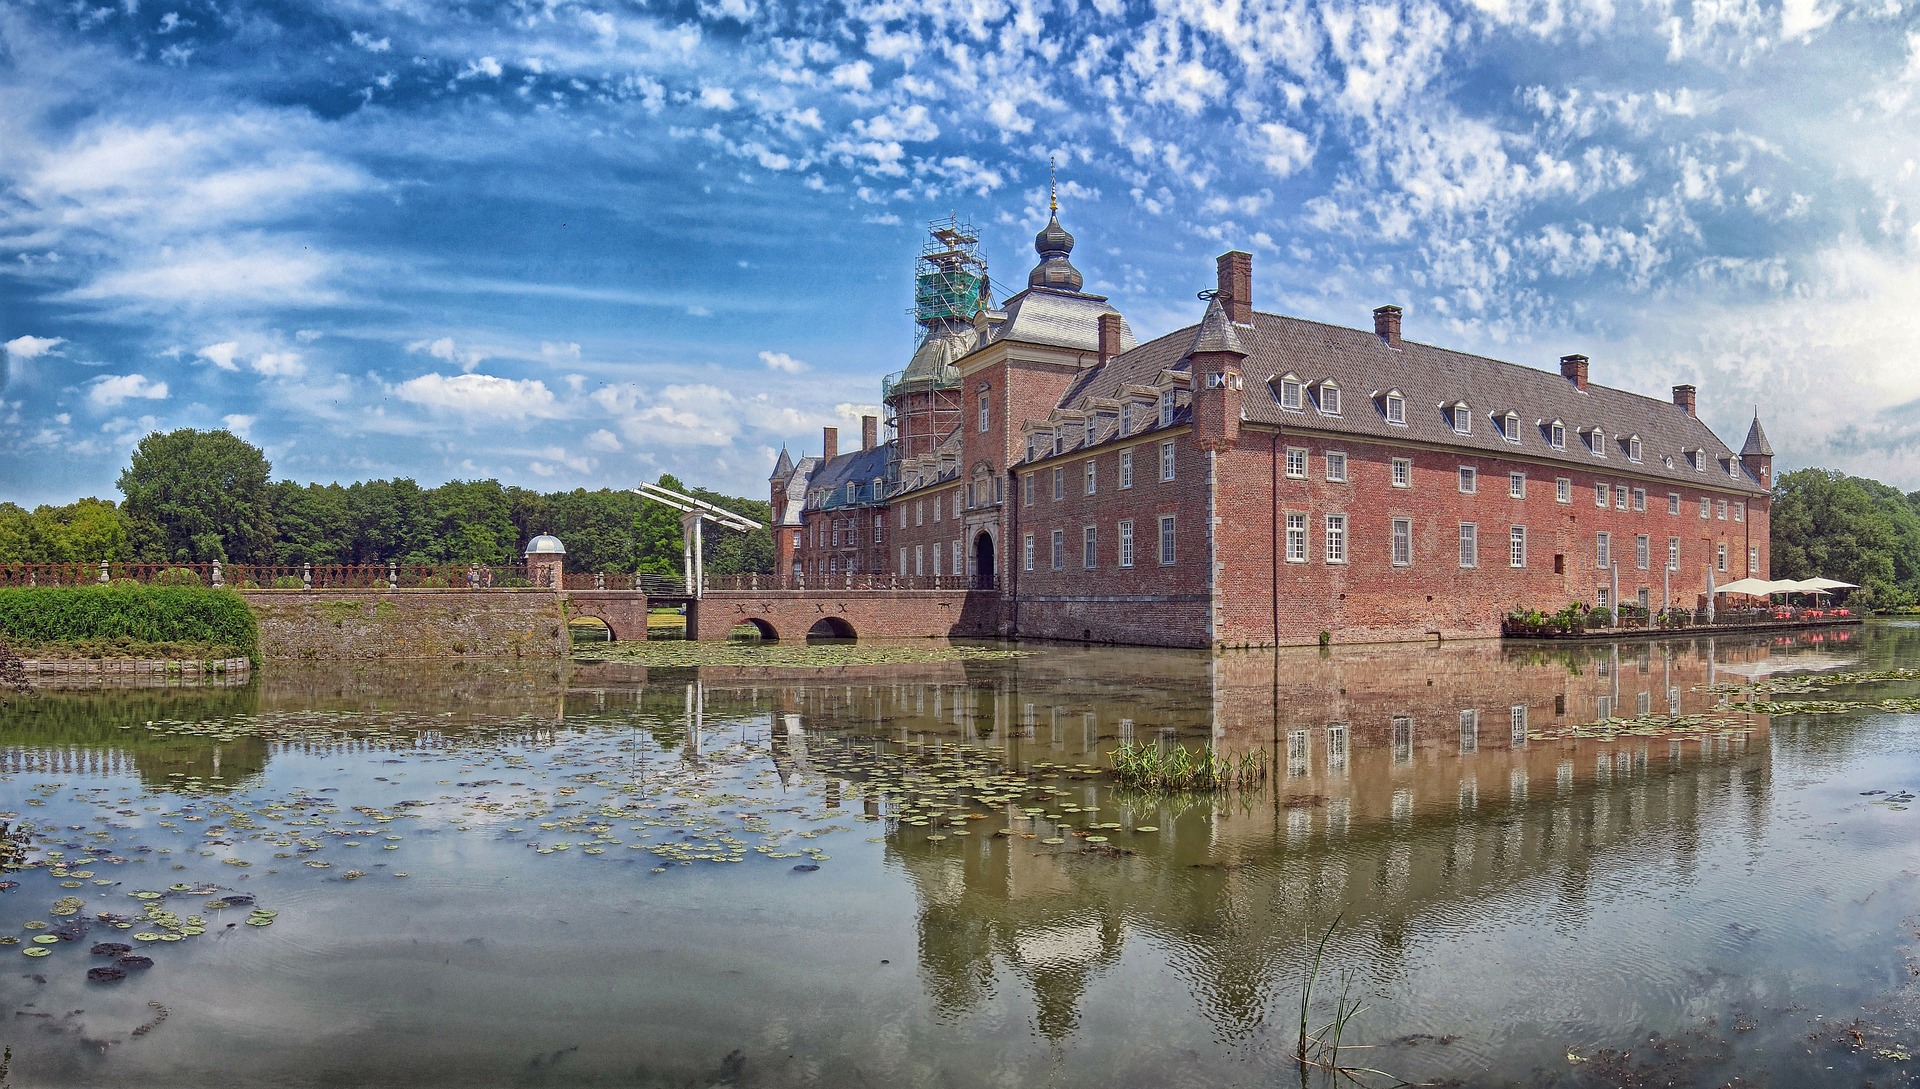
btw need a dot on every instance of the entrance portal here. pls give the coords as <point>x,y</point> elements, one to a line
<point>983,561</point>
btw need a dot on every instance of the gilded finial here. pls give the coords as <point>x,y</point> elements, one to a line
<point>1053,188</point>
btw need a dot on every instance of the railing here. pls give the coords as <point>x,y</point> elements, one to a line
<point>1633,618</point>
<point>318,576</point>
<point>855,581</point>
<point>651,585</point>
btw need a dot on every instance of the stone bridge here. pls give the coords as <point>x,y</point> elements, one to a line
<point>846,614</point>
<point>624,612</point>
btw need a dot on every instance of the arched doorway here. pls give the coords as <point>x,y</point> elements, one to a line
<point>983,572</point>
<point>830,629</point>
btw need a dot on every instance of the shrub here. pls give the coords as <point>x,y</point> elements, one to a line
<point>177,576</point>
<point>289,582</point>
<point>1600,617</point>
<point>145,614</point>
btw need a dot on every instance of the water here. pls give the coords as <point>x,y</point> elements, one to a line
<point>692,879</point>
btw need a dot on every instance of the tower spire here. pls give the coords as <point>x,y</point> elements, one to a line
<point>1053,188</point>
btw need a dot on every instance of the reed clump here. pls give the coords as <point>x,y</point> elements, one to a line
<point>1176,767</point>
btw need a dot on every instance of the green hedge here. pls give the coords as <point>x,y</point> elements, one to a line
<point>147,614</point>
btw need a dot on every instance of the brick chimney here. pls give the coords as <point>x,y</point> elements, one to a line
<point>1109,336</point>
<point>1386,324</point>
<point>869,432</point>
<point>1684,396</point>
<point>1573,368</point>
<point>829,443</point>
<point>1235,273</point>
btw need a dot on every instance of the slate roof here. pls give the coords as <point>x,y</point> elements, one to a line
<point>862,468</point>
<point>1363,366</point>
<point>796,489</point>
<point>1061,319</point>
<point>783,468</point>
<point>1757,440</point>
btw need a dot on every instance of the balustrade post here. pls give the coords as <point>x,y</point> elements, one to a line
<point>103,573</point>
<point>306,576</point>
<point>393,575</point>
<point>753,580</point>
<point>217,579</point>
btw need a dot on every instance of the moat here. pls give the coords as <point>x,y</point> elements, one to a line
<point>915,874</point>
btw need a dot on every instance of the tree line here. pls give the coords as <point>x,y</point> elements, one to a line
<point>197,496</point>
<point>1849,528</point>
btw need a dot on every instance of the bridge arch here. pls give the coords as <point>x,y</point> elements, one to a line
<point>579,631</point>
<point>831,627</point>
<point>767,632</point>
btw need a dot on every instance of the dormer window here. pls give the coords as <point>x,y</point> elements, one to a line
<point>1461,418</point>
<point>1633,448</point>
<point>1290,393</point>
<point>853,491</point>
<point>1166,409</point>
<point>1329,399</point>
<point>1395,407</point>
<point>1032,448</point>
<point>1597,443</point>
<point>1126,417</point>
<point>1510,427</point>
<point>1557,435</point>
<point>1733,468</point>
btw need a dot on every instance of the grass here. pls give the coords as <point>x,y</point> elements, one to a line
<point>1178,768</point>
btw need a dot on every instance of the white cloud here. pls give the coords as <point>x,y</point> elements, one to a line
<point>717,98</point>
<point>221,354</point>
<point>485,66</point>
<point>109,391</point>
<point>604,441</point>
<point>557,353</point>
<point>480,396</point>
<point>237,423</point>
<point>31,347</point>
<point>279,364</point>
<point>781,361</point>
<point>444,348</point>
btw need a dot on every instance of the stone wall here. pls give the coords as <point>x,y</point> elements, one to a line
<point>865,614</point>
<point>366,624</point>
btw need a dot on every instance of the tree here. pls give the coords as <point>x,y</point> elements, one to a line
<point>1829,524</point>
<point>14,544</point>
<point>84,531</point>
<point>198,496</point>
<point>315,524</point>
<point>389,519</point>
<point>657,541</point>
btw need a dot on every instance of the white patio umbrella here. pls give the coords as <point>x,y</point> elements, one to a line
<point>1827,584</point>
<point>1750,587</point>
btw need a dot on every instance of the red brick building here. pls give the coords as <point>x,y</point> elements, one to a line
<point>1255,479</point>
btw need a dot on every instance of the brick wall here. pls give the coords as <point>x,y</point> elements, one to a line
<point>350,624</point>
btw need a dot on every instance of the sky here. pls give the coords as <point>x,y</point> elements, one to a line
<point>580,243</point>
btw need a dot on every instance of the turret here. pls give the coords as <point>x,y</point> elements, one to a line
<point>1756,454</point>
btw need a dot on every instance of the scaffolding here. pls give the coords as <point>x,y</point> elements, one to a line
<point>950,287</point>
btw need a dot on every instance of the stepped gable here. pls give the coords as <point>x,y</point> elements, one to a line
<point>1364,367</point>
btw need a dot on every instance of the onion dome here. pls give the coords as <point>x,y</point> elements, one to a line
<point>546,545</point>
<point>1053,244</point>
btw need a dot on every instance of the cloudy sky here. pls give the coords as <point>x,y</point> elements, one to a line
<point>581,242</point>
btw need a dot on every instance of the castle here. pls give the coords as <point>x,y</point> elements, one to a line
<point>1256,479</point>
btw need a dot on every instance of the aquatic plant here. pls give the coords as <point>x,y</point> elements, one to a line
<point>1319,1049</point>
<point>1175,767</point>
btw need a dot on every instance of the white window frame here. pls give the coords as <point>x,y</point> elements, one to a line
<point>1753,559</point>
<point>1296,537</point>
<point>1292,393</point>
<point>1510,427</point>
<point>1469,480</point>
<point>1517,547</point>
<point>1603,550</point>
<point>1402,472</point>
<point>1633,448</point>
<point>1516,485</point>
<point>1335,529</point>
<point>1126,542</point>
<point>1057,554</point>
<point>1642,551</point>
<point>1089,547</point>
<point>1026,489</point>
<point>1673,553</point>
<point>1601,495</point>
<point>1721,557</point>
<point>1557,435</point>
<point>1168,540</point>
<point>1395,409</point>
<point>1720,510</point>
<point>1563,489</point>
<point>1706,507</point>
<point>1092,474</point>
<point>1166,408</point>
<point>1329,390</point>
<point>1336,466</point>
<point>1402,542</point>
<point>1126,469</point>
<point>1640,500</point>
<point>1296,463</point>
<point>1739,510</point>
<point>1059,483</point>
<point>1026,552</point>
<point>1166,461</point>
<point>1461,418</point>
<point>1469,545</point>
<point>1673,504</point>
<point>986,414</point>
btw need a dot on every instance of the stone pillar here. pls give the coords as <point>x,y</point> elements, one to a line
<point>217,579</point>
<point>306,575</point>
<point>104,579</point>
<point>393,575</point>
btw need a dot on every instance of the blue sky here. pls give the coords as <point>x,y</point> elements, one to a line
<point>581,243</point>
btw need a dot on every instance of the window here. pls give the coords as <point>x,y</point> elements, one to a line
<point>1694,461</point>
<point>919,559</point>
<point>1517,546</point>
<point>1296,538</point>
<point>1720,560</point>
<point>1166,409</point>
<point>1739,512</point>
<point>1640,499</point>
<point>1296,461</point>
<point>1510,427</point>
<point>1290,393</point>
<point>1720,510</point>
<point>1469,479</point>
<point>1469,545</point>
<point>1733,468</point>
<point>1026,489</point>
<point>1329,399</point>
<point>1059,483</point>
<point>1603,550</point>
<point>1557,435</point>
<point>919,512</point>
<point>1032,448</point>
<point>1402,740</point>
<point>1336,538</point>
<point>939,504</point>
<point>1620,497</point>
<point>1166,461</point>
<point>1673,503</point>
<point>937,559</point>
<point>1462,419</point>
<point>879,524</point>
<point>903,518</point>
<point>1396,409</point>
<point>1403,542</point>
<point>1597,443</point>
<point>1642,552</point>
<point>1469,731</point>
<point>1600,492</point>
<point>1059,554</point>
<point>1403,472</point>
<point>1026,552</point>
<point>959,558</point>
<point>1517,724</point>
<point>1753,558</point>
<point>1126,468</point>
<point>902,569</point>
<point>985,415</point>
<point>1336,467</point>
<point>1633,448</point>
<point>1126,418</point>
<point>1563,489</point>
<point>1126,543</point>
<point>957,495</point>
<point>1091,473</point>
<point>1089,548</point>
<point>1673,553</point>
<point>1516,485</point>
<point>1166,540</point>
<point>1706,507</point>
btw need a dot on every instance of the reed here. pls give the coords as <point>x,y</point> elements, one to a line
<point>1320,1049</point>
<point>1176,767</point>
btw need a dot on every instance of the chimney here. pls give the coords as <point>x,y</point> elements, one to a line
<point>829,443</point>
<point>1235,271</point>
<point>869,432</point>
<point>1109,336</point>
<point>1685,396</point>
<point>1573,368</point>
<point>1386,324</point>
